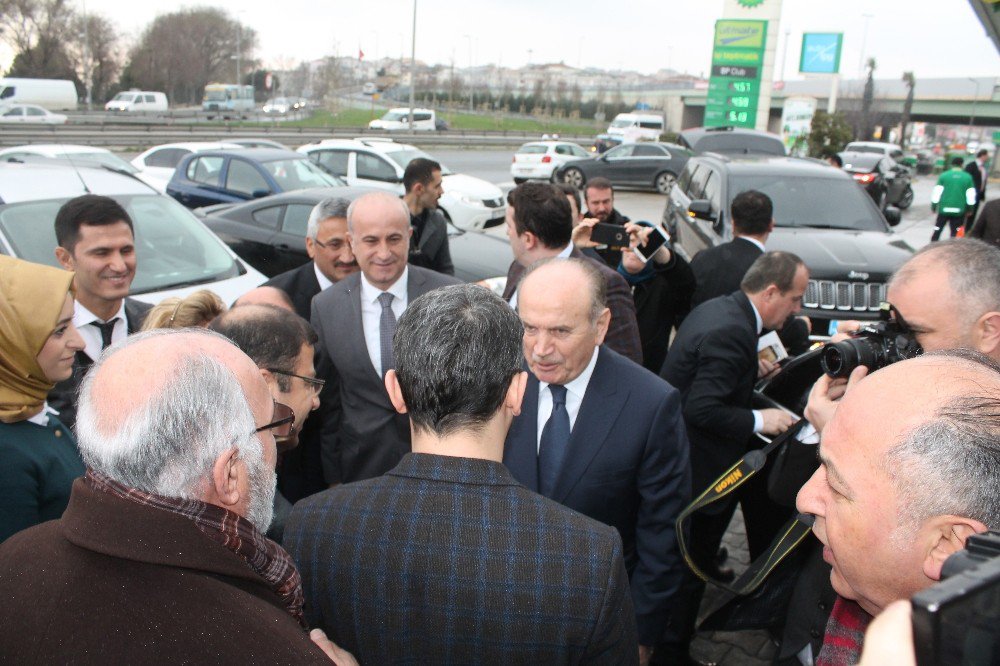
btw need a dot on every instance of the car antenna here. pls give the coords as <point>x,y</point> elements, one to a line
<point>76,171</point>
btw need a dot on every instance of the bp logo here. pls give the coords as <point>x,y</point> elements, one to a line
<point>749,4</point>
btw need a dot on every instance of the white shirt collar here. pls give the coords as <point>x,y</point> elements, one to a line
<point>756,314</point>
<point>82,316</point>
<point>324,282</point>
<point>370,292</point>
<point>565,252</point>
<point>754,241</point>
<point>82,320</point>
<point>42,417</point>
<point>578,386</point>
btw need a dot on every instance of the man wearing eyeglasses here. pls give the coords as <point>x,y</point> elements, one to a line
<point>162,545</point>
<point>281,344</point>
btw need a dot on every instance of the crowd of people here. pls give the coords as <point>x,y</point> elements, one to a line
<point>364,460</point>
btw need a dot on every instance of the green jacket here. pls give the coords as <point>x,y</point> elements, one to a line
<point>951,194</point>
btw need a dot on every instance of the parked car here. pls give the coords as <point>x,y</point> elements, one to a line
<point>731,141</point>
<point>893,150</point>
<point>278,105</point>
<point>470,203</point>
<point>257,142</point>
<point>175,253</point>
<point>396,120</point>
<point>73,154</point>
<point>269,234</point>
<point>887,182</point>
<point>138,100</point>
<point>820,215</point>
<point>29,114</point>
<point>648,165</point>
<point>538,160</point>
<point>158,163</point>
<point>226,176</point>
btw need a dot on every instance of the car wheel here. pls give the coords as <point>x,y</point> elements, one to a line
<point>664,181</point>
<point>906,199</point>
<point>575,178</point>
<point>518,181</point>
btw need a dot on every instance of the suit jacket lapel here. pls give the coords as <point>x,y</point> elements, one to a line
<point>602,403</point>
<point>414,285</point>
<point>513,276</point>
<point>521,453</point>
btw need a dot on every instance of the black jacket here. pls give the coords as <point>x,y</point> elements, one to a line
<point>661,304</point>
<point>430,249</point>
<point>300,284</point>
<point>719,270</point>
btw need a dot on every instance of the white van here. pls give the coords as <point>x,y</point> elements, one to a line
<point>138,100</point>
<point>399,119</point>
<point>51,94</point>
<point>632,127</point>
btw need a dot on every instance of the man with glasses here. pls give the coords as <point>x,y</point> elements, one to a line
<point>162,545</point>
<point>327,246</point>
<point>281,344</point>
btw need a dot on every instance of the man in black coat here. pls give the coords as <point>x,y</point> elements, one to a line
<point>96,241</point>
<point>977,169</point>
<point>429,242</point>
<point>600,200</point>
<point>327,246</point>
<point>713,363</point>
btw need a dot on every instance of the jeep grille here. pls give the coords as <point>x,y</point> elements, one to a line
<point>844,296</point>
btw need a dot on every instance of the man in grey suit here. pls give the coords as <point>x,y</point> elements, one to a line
<point>355,320</point>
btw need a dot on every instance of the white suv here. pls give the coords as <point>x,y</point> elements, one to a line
<point>470,203</point>
<point>175,253</point>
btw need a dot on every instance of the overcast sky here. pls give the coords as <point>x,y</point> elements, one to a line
<point>939,39</point>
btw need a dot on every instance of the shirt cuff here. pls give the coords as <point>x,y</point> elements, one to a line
<point>758,421</point>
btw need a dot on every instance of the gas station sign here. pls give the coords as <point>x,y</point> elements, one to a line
<point>737,64</point>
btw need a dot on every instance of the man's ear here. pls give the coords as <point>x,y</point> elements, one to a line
<point>225,477</point>
<point>394,391</point>
<point>530,240</point>
<point>65,258</point>
<point>269,378</point>
<point>515,392</point>
<point>602,324</point>
<point>987,330</point>
<point>948,535</point>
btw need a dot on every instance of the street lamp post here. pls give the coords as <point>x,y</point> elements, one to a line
<point>972,117</point>
<point>413,65</point>
<point>472,94</point>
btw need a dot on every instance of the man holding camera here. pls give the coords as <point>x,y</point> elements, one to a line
<point>909,466</point>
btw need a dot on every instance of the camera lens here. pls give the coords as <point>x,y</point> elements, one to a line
<point>840,358</point>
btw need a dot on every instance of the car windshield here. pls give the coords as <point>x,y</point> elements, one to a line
<point>215,95</point>
<point>818,203</point>
<point>394,115</point>
<point>108,159</point>
<point>123,97</point>
<point>865,162</point>
<point>621,123</point>
<point>739,143</point>
<point>407,155</point>
<point>298,174</point>
<point>172,247</point>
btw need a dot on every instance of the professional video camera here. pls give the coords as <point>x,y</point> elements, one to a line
<point>875,345</point>
<point>957,621</point>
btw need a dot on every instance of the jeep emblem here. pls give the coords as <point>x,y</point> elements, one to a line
<point>857,275</point>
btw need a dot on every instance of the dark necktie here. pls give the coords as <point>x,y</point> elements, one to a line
<point>106,328</point>
<point>554,442</point>
<point>386,329</point>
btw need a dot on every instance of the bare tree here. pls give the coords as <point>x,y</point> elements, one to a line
<point>37,31</point>
<point>911,83</point>
<point>94,50</point>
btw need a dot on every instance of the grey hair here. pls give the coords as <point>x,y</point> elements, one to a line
<point>168,444</point>
<point>457,349</point>
<point>324,210</point>
<point>385,196</point>
<point>950,464</point>
<point>775,267</point>
<point>596,285</point>
<point>973,273</point>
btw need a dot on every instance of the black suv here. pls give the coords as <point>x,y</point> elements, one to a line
<point>820,214</point>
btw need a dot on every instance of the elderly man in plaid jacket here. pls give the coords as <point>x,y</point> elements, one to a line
<point>448,559</point>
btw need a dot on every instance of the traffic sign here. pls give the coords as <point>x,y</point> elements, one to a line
<point>737,62</point>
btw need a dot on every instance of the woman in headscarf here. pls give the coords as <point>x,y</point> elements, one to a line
<point>38,455</point>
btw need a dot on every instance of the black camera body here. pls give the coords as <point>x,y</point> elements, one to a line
<point>957,621</point>
<point>875,346</point>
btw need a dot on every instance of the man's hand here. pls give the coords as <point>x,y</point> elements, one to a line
<point>889,639</point>
<point>824,396</point>
<point>846,329</point>
<point>581,233</point>
<point>776,421</point>
<point>766,368</point>
<point>639,235</point>
<point>645,654</point>
<point>337,655</point>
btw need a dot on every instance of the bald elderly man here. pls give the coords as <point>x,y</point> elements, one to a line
<point>910,464</point>
<point>162,546</point>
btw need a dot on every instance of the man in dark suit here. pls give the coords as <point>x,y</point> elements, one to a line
<point>540,226</point>
<point>600,434</point>
<point>355,320</point>
<point>327,246</point>
<point>713,362</point>
<point>987,227</point>
<point>484,571</point>
<point>977,169</point>
<point>429,242</point>
<point>95,239</point>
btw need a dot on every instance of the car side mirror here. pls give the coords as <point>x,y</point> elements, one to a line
<point>892,215</point>
<point>258,194</point>
<point>701,209</point>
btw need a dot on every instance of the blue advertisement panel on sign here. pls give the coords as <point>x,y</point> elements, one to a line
<point>821,52</point>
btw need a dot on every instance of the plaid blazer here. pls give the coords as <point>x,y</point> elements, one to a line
<point>449,560</point>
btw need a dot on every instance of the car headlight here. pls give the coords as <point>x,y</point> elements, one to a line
<point>469,200</point>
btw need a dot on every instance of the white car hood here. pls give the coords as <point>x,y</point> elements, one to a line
<point>470,186</point>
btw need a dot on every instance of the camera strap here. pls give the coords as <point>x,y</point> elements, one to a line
<point>788,538</point>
